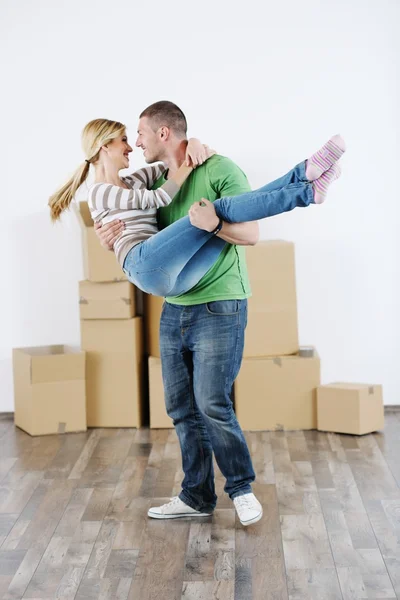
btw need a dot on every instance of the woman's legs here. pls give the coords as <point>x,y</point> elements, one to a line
<point>272,199</point>
<point>155,265</point>
<point>160,265</point>
<point>198,266</point>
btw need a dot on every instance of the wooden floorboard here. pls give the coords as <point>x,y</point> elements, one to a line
<point>74,525</point>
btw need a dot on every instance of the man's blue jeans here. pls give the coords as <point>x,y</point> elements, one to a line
<point>174,260</point>
<point>201,353</point>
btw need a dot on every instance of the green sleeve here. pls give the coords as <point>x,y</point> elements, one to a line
<point>226,178</point>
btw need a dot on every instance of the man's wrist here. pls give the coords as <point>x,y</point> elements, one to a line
<point>218,227</point>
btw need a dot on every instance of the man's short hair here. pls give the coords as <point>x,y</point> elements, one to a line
<point>168,114</point>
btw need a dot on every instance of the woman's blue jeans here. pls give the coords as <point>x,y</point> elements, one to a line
<point>175,259</point>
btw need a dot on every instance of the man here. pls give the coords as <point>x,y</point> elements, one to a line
<point>202,331</point>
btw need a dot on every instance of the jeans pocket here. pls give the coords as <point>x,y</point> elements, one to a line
<point>223,307</point>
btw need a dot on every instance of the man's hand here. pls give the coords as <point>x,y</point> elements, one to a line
<point>202,215</point>
<point>109,233</point>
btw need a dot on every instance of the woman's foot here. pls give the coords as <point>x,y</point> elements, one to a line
<point>321,185</point>
<point>322,160</point>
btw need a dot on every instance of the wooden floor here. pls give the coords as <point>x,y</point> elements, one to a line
<point>73,519</point>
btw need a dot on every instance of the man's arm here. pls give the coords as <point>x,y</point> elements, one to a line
<point>227,179</point>
<point>240,234</point>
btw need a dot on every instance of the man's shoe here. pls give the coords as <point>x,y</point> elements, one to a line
<point>248,508</point>
<point>174,510</point>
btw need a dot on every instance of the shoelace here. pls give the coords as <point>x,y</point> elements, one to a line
<point>243,501</point>
<point>172,502</point>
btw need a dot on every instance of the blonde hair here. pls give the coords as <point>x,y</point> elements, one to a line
<point>96,134</point>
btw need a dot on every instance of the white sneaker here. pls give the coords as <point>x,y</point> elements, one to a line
<point>248,508</point>
<point>174,510</point>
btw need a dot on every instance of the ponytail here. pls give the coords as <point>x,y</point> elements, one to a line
<point>61,200</point>
<point>96,134</point>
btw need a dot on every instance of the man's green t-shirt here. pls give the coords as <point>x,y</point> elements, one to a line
<point>227,279</point>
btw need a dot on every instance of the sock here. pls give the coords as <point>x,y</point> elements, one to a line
<point>322,160</point>
<point>322,184</point>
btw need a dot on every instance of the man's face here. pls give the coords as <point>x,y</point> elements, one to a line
<point>149,141</point>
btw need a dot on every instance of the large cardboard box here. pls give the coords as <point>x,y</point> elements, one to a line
<point>113,300</point>
<point>152,314</point>
<point>114,365</point>
<point>49,389</point>
<point>272,310</point>
<point>278,393</point>
<point>99,264</point>
<point>355,408</point>
<point>158,414</point>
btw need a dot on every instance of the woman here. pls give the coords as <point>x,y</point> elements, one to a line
<point>172,261</point>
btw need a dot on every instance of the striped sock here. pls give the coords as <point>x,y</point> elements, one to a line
<point>322,160</point>
<point>321,184</point>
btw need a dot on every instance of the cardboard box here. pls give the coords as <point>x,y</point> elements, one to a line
<point>49,389</point>
<point>278,393</point>
<point>152,314</point>
<point>113,300</point>
<point>99,264</point>
<point>158,414</point>
<point>114,365</point>
<point>355,408</point>
<point>272,310</point>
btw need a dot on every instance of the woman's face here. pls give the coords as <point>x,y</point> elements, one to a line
<point>118,151</point>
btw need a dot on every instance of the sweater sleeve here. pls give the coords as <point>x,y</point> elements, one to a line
<point>106,196</point>
<point>146,176</point>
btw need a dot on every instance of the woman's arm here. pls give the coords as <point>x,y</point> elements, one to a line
<point>107,196</point>
<point>104,196</point>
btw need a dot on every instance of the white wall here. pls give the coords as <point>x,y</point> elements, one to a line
<point>265,83</point>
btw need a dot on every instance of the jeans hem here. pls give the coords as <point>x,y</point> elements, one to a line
<point>242,492</point>
<point>203,509</point>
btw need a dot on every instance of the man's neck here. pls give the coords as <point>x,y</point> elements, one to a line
<point>175,157</point>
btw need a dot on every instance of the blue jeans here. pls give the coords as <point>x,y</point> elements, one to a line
<point>201,353</point>
<point>174,260</point>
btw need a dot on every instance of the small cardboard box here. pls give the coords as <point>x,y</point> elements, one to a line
<point>114,377</point>
<point>158,414</point>
<point>152,314</point>
<point>355,408</point>
<point>272,310</point>
<point>113,300</point>
<point>278,393</point>
<point>99,264</point>
<point>49,389</point>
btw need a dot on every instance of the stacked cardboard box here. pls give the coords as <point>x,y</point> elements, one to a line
<point>272,309</point>
<point>158,414</point>
<point>49,389</point>
<point>276,385</point>
<point>152,313</point>
<point>111,335</point>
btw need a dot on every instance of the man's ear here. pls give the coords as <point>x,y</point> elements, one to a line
<point>164,133</point>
